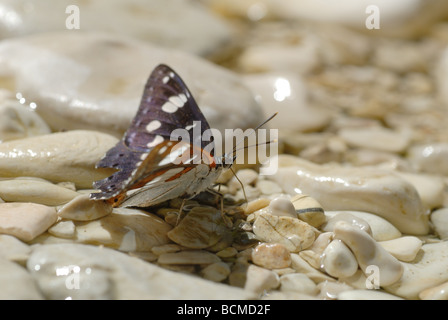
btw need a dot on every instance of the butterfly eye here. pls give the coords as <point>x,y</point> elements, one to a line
<point>121,155</point>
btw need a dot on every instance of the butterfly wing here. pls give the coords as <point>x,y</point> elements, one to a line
<point>145,149</point>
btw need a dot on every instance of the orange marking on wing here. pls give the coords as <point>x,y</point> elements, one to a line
<point>177,175</point>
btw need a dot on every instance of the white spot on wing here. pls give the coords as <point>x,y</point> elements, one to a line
<point>158,139</point>
<point>177,101</point>
<point>183,97</point>
<point>169,107</point>
<point>153,125</point>
<point>191,126</point>
<point>165,79</point>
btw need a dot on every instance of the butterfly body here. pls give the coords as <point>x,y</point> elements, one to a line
<point>153,168</point>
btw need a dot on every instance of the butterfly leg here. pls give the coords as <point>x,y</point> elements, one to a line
<point>226,219</point>
<point>181,213</point>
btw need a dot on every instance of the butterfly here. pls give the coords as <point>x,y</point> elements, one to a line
<point>147,174</point>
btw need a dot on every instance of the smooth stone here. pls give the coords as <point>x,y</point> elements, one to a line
<point>439,219</point>
<point>18,121</point>
<point>228,252</point>
<point>314,254</point>
<point>430,157</point>
<point>201,228</point>
<point>429,187</point>
<point>217,271</point>
<point>58,157</point>
<point>298,282</point>
<point>144,20</point>
<point>338,261</point>
<point>82,208</point>
<point>349,218</point>
<point>88,94</point>
<point>302,266</point>
<point>295,234</point>
<point>108,274</point>
<point>309,210</point>
<point>63,229</point>
<point>268,187</point>
<point>368,252</point>
<point>28,190</point>
<point>188,257</point>
<point>286,94</point>
<point>381,229</point>
<point>430,269</point>
<point>17,283</point>
<point>282,206</point>
<point>259,280</point>
<point>377,138</point>
<point>246,176</point>
<point>271,256</point>
<point>366,295</point>
<point>25,221</point>
<point>13,249</point>
<point>359,189</point>
<point>256,205</point>
<point>125,230</point>
<point>404,249</point>
<point>330,290</point>
<point>165,248</point>
<point>439,292</point>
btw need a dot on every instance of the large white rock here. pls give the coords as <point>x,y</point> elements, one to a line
<point>175,24</point>
<point>58,157</point>
<point>102,273</point>
<point>82,80</point>
<point>358,189</point>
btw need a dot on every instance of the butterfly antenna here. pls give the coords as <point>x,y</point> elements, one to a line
<point>253,131</point>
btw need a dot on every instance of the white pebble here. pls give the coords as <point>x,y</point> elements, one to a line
<point>369,253</point>
<point>338,261</point>
<point>281,206</point>
<point>82,208</point>
<point>63,229</point>
<point>298,282</point>
<point>404,248</point>
<point>439,219</point>
<point>26,221</point>
<point>260,279</point>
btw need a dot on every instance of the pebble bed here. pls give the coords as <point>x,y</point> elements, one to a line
<point>358,208</point>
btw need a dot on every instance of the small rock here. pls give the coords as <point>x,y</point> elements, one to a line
<point>349,218</point>
<point>381,229</point>
<point>429,187</point>
<point>36,191</point>
<point>188,257</point>
<point>404,248</point>
<point>314,254</point>
<point>57,157</point>
<point>255,205</point>
<point>330,290</point>
<point>63,229</point>
<point>201,228</point>
<point>260,280</point>
<point>295,234</point>
<point>309,210</point>
<point>82,208</point>
<point>298,282</point>
<point>281,206</point>
<point>439,219</point>
<point>271,256</point>
<point>165,248</point>
<point>228,252</point>
<point>376,138</point>
<point>368,252</point>
<point>300,265</point>
<point>124,229</point>
<point>13,249</point>
<point>338,261</point>
<point>430,157</point>
<point>217,271</point>
<point>25,221</point>
<point>286,92</point>
<point>439,292</point>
